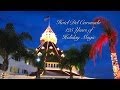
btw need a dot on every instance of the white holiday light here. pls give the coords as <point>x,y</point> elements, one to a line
<point>61,50</point>
<point>58,49</point>
<point>51,47</point>
<point>62,55</point>
<point>36,49</point>
<point>43,47</point>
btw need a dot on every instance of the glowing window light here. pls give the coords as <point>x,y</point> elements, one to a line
<point>58,49</point>
<point>27,63</point>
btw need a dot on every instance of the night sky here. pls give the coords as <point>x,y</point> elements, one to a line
<point>34,23</point>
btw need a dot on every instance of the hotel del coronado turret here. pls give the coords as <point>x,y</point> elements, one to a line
<point>48,42</point>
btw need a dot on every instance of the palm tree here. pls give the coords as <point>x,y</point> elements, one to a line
<point>37,60</point>
<point>40,67</point>
<point>110,36</point>
<point>76,57</point>
<point>31,56</point>
<point>12,43</point>
<point>45,55</point>
<point>84,56</point>
<point>70,60</point>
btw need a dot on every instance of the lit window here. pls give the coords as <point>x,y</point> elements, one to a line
<point>27,63</point>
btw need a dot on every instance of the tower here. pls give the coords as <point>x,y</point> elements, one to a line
<point>48,42</point>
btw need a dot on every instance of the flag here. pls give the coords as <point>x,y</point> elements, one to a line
<point>46,18</point>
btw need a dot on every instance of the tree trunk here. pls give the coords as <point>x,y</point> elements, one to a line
<point>44,71</point>
<point>118,75</point>
<point>5,64</point>
<point>115,65</point>
<point>38,73</point>
<point>114,59</point>
<point>71,76</point>
<point>81,72</point>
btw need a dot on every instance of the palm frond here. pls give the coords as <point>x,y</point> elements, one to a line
<point>106,24</point>
<point>97,47</point>
<point>113,40</point>
<point>109,36</point>
<point>25,36</point>
<point>84,52</point>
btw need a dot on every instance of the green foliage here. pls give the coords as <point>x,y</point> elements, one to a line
<point>40,65</point>
<point>25,36</point>
<point>76,57</point>
<point>70,59</point>
<point>84,56</point>
<point>13,43</point>
<point>84,52</point>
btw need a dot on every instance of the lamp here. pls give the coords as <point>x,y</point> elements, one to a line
<point>38,59</point>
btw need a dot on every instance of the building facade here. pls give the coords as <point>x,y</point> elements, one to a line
<point>19,67</point>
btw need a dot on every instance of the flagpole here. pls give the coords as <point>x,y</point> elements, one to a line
<point>46,19</point>
<point>49,22</point>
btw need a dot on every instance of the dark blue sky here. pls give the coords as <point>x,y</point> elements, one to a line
<point>33,22</point>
